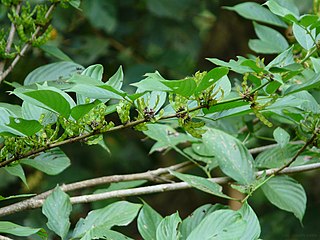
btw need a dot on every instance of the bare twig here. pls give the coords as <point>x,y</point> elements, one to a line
<point>25,47</point>
<point>5,238</point>
<point>36,203</point>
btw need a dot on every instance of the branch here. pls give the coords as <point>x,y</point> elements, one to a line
<point>10,38</point>
<point>36,203</point>
<point>25,47</point>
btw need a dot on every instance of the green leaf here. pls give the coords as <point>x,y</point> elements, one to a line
<point>305,38</point>
<point>55,52</point>
<point>57,208</point>
<point>221,224</point>
<point>313,82</point>
<point>256,12</point>
<point>235,66</point>
<point>17,230</point>
<point>286,9</point>
<point>116,80</point>
<point>202,184</point>
<point>121,185</point>
<point>210,78</point>
<point>194,219</point>
<point>103,233</point>
<point>168,228</point>
<point>94,71</point>
<point>117,214</point>
<point>281,137</point>
<point>270,40</point>
<point>48,99</point>
<point>17,170</point>
<point>51,162</point>
<point>253,229</point>
<point>283,59</point>
<point>277,156</point>
<point>316,64</point>
<point>21,127</point>
<point>33,112</point>
<point>148,221</point>
<point>183,87</point>
<point>287,194</point>
<point>52,72</point>
<point>17,196</point>
<point>152,82</point>
<point>210,161</point>
<point>79,111</point>
<point>233,157</point>
<point>165,136</point>
<point>225,106</point>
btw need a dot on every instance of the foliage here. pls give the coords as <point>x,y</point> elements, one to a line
<point>64,102</point>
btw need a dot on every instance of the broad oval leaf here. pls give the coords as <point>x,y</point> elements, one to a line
<point>57,208</point>
<point>233,157</point>
<point>305,37</point>
<point>287,194</point>
<point>202,184</point>
<point>221,224</point>
<point>17,230</point>
<point>194,219</point>
<point>52,72</point>
<point>148,221</point>
<point>253,229</point>
<point>117,214</point>
<point>51,162</point>
<point>168,228</point>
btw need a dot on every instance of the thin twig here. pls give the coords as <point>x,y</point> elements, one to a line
<point>263,148</point>
<point>10,38</point>
<point>36,203</point>
<point>25,47</point>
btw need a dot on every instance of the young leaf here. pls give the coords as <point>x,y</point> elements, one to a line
<point>148,221</point>
<point>57,208</point>
<point>256,12</point>
<point>94,71</point>
<point>210,78</point>
<point>253,229</point>
<point>270,41</point>
<point>48,99</point>
<point>168,228</point>
<point>22,127</point>
<point>221,224</point>
<point>52,72</point>
<point>233,157</point>
<point>17,230</point>
<point>183,87</point>
<point>194,219</point>
<point>117,214</point>
<point>51,162</point>
<point>202,184</point>
<point>281,137</point>
<point>287,194</point>
<point>116,80</point>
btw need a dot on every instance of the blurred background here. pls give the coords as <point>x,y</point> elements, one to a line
<point>173,37</point>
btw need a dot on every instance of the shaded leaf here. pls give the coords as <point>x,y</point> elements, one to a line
<point>57,208</point>
<point>287,194</point>
<point>51,162</point>
<point>168,228</point>
<point>233,157</point>
<point>55,52</point>
<point>253,229</point>
<point>221,224</point>
<point>202,184</point>
<point>148,221</point>
<point>194,219</point>
<point>53,72</point>
<point>117,214</point>
<point>17,170</point>
<point>281,137</point>
<point>17,230</point>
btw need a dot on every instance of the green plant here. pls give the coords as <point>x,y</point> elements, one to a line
<point>64,102</point>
